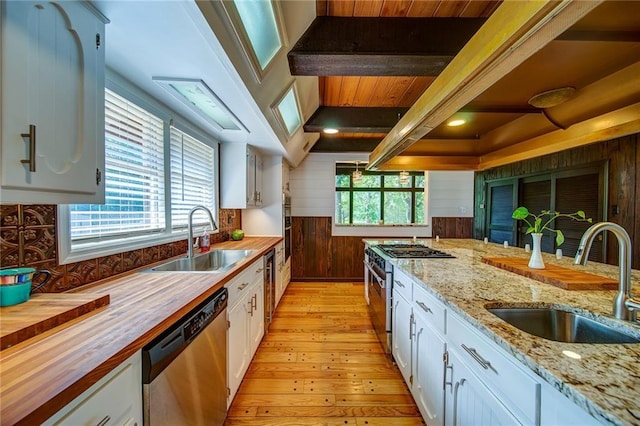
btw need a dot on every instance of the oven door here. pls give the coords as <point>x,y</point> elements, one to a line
<point>378,306</point>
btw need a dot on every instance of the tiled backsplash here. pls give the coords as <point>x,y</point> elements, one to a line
<point>28,238</point>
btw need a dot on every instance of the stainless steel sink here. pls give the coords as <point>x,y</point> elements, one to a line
<point>212,261</point>
<point>561,326</point>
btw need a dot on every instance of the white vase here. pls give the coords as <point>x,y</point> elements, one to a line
<point>536,261</point>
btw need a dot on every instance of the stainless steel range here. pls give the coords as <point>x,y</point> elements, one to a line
<point>379,279</point>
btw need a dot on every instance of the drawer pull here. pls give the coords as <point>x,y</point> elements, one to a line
<point>31,161</point>
<point>104,421</point>
<point>475,355</point>
<point>259,270</point>
<point>424,307</point>
<point>399,283</point>
<point>242,286</point>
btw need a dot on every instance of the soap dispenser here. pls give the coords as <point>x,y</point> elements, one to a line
<point>205,243</point>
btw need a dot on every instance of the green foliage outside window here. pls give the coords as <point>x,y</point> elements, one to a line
<point>378,198</point>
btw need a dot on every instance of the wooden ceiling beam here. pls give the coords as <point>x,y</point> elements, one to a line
<point>514,32</point>
<point>359,46</point>
<point>432,162</point>
<point>583,35</point>
<point>338,144</point>
<point>382,119</point>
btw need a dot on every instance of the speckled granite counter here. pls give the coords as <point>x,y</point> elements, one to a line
<point>605,381</point>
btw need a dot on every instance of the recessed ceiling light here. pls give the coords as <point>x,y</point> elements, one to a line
<point>455,123</point>
<point>330,131</point>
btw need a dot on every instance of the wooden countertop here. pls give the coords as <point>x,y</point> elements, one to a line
<point>41,375</point>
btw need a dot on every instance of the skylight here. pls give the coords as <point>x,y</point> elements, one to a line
<point>288,111</point>
<point>259,21</point>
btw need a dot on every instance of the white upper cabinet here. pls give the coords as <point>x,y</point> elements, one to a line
<point>52,102</point>
<point>241,177</point>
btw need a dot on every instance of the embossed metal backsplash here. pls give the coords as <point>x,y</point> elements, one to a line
<point>28,238</point>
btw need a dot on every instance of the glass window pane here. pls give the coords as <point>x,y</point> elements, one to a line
<point>366,207</point>
<point>289,112</point>
<point>420,181</point>
<point>134,176</point>
<point>342,207</point>
<point>368,181</point>
<point>392,181</point>
<point>397,207</point>
<point>259,21</point>
<point>419,207</point>
<point>342,181</point>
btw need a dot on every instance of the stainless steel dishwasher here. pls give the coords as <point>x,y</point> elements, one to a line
<point>184,369</point>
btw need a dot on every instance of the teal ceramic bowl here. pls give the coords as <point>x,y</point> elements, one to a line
<point>13,294</point>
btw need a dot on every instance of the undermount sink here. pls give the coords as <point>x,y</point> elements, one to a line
<point>212,261</point>
<point>561,325</point>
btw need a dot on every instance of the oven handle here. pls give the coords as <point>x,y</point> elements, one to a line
<point>373,273</point>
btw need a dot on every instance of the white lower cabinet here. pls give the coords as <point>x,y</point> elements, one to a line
<point>245,314</point>
<point>402,324</point>
<point>279,265</point>
<point>116,399</point>
<point>458,376</point>
<point>428,370</point>
<point>469,402</point>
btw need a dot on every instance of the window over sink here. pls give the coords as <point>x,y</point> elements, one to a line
<point>156,169</point>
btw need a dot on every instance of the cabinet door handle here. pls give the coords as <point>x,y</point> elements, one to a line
<point>31,161</point>
<point>242,286</point>
<point>254,302</point>
<point>424,307</point>
<point>475,355</point>
<point>455,401</point>
<point>399,283</point>
<point>104,421</point>
<point>259,270</point>
<point>445,367</point>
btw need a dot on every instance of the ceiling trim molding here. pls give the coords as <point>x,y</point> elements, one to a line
<point>512,34</point>
<point>364,46</point>
<point>619,123</point>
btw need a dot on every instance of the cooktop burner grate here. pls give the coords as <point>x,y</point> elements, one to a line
<point>413,251</point>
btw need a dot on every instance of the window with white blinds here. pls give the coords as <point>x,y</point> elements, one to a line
<point>134,176</point>
<point>192,178</point>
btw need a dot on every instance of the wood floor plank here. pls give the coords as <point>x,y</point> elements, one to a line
<point>321,364</point>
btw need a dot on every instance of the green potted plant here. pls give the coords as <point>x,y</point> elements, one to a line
<point>538,224</point>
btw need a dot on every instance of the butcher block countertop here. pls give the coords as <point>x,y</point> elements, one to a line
<point>41,375</point>
<point>605,381</point>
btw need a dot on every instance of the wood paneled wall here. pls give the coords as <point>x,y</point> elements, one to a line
<point>623,156</point>
<point>452,227</point>
<point>318,256</point>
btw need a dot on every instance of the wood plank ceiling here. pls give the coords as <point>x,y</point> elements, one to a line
<point>364,107</point>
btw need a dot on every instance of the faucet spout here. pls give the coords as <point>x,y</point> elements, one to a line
<point>212,222</point>
<point>624,305</point>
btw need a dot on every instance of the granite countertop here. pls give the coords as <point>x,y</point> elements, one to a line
<point>605,381</point>
<point>41,375</point>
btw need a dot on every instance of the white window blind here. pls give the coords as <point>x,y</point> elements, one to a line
<point>134,176</point>
<point>192,178</point>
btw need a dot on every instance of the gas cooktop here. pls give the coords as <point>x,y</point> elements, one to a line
<point>413,251</point>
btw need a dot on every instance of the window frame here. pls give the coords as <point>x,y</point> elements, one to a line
<point>275,108</point>
<point>67,253</point>
<point>351,189</point>
<point>245,43</point>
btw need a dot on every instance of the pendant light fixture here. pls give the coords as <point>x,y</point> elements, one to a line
<point>356,175</point>
<point>404,177</point>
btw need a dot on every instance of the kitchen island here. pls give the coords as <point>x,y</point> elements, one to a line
<point>605,381</point>
<point>41,375</point>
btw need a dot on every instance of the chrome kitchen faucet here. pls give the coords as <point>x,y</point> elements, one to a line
<point>212,222</point>
<point>624,305</point>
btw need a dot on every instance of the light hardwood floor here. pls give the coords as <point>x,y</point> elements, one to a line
<point>321,364</point>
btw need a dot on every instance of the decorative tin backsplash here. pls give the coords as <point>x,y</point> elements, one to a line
<point>28,238</point>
